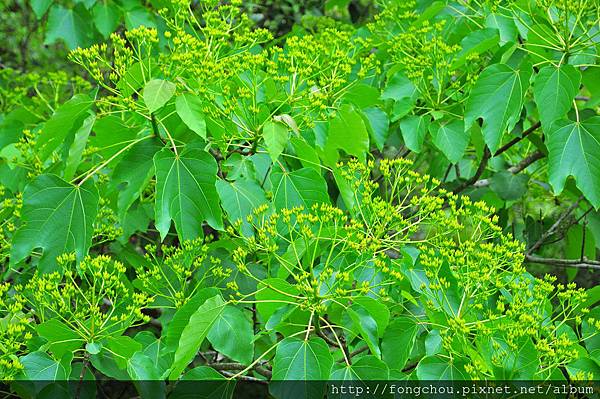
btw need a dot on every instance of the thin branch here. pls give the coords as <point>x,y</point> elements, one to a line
<point>482,165</point>
<point>238,366</point>
<point>554,227</point>
<point>514,169</point>
<point>583,263</point>
<point>514,141</point>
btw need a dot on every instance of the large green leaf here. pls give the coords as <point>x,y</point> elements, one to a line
<point>347,131</point>
<point>58,218</point>
<point>497,98</point>
<point>61,338</point>
<point>366,368</point>
<point>182,317</point>
<point>38,366</point>
<point>232,335</point>
<point>194,333</point>
<point>574,150</point>
<point>240,198</point>
<point>554,90</point>
<point>434,368</point>
<point>302,187</point>
<point>157,92</point>
<point>106,17</point>
<point>363,323</point>
<point>189,109</point>
<point>398,341</point>
<point>299,360</point>
<point>70,25</point>
<point>186,192</point>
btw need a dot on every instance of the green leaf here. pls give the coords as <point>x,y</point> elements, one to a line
<point>232,335</point>
<point>450,138</point>
<point>272,294</point>
<point>106,17</point>
<point>347,131</point>
<point>476,42</point>
<point>398,341</point>
<point>78,146</point>
<point>434,368</point>
<point>194,333</point>
<point>157,92</point>
<point>133,172</point>
<point>554,90</point>
<point>58,218</point>
<point>366,326</point>
<point>275,135</point>
<point>186,192</point>
<point>574,150</point>
<point>65,119</point>
<point>413,129</point>
<point>297,359</point>
<point>189,109</point>
<point>240,198</point>
<point>182,317</point>
<point>38,366</point>
<point>302,187</point>
<point>378,124</point>
<point>398,87</point>
<point>61,338</point>
<point>508,186</point>
<point>306,154</point>
<point>141,368</point>
<point>497,98</point>
<point>70,25</point>
<point>40,7</point>
<point>366,368</point>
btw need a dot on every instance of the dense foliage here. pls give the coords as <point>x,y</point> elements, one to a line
<point>349,191</point>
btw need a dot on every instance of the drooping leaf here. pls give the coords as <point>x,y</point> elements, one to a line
<point>554,90</point>
<point>134,171</point>
<point>347,131</point>
<point>195,332</point>
<point>189,109</point>
<point>232,335</point>
<point>497,98</point>
<point>574,150</point>
<point>413,129</point>
<point>450,138</point>
<point>378,124</point>
<point>67,117</point>
<point>78,146</point>
<point>186,192</point>
<point>365,325</point>
<point>182,317</point>
<point>302,187</point>
<point>434,368</point>
<point>157,92</point>
<point>275,135</point>
<point>58,218</point>
<point>398,341</point>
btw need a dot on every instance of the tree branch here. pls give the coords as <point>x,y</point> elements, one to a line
<point>583,263</point>
<point>554,227</point>
<point>514,169</point>
<point>238,366</point>
<point>480,169</point>
<point>514,141</point>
